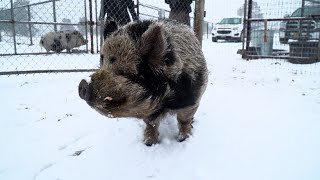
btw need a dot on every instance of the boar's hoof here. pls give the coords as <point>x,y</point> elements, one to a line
<point>150,141</point>
<point>185,131</point>
<point>182,137</point>
<point>150,136</point>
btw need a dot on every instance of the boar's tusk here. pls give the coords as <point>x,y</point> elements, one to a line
<point>108,98</point>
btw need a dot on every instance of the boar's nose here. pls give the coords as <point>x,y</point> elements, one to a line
<point>84,90</point>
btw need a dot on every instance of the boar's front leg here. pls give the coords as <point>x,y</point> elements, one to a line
<point>185,119</point>
<point>151,132</point>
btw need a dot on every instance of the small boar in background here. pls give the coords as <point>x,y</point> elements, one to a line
<point>59,41</point>
<point>150,68</point>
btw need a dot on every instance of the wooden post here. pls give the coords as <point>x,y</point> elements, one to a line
<point>198,19</point>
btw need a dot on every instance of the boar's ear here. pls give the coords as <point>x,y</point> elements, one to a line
<point>109,27</point>
<point>152,44</point>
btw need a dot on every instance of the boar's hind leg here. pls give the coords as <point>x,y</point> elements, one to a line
<point>151,133</point>
<point>185,119</point>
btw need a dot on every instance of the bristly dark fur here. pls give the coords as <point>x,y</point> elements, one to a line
<point>169,57</point>
<point>186,91</point>
<point>136,30</point>
<point>109,27</point>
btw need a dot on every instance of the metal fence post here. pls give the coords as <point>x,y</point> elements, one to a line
<point>318,47</point>
<point>13,28</point>
<point>138,11</point>
<point>54,15</point>
<point>198,19</point>
<point>248,28</point>
<point>207,30</point>
<point>86,23</point>
<point>96,24</point>
<point>302,15</point>
<point>91,26</point>
<point>244,28</point>
<point>30,26</point>
<point>101,20</point>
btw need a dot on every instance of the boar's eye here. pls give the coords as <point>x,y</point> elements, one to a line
<point>112,59</point>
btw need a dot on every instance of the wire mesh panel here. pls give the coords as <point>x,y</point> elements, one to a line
<point>283,29</point>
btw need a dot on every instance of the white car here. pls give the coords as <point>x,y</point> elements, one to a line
<point>228,29</point>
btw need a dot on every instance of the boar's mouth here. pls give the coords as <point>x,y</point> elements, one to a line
<point>111,103</point>
<point>108,106</point>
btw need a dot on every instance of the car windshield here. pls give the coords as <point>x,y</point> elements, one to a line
<point>230,21</point>
<point>308,11</point>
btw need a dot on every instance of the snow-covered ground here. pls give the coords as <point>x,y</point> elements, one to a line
<point>258,119</point>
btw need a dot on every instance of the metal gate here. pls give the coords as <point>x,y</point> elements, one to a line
<point>282,29</point>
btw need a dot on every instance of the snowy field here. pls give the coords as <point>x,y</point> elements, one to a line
<point>257,120</point>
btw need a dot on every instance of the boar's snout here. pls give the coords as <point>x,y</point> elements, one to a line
<point>84,90</point>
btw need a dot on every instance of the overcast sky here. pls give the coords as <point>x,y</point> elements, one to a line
<point>217,9</point>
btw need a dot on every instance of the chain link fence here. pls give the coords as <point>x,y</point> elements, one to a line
<point>282,29</point>
<point>23,24</point>
<point>43,36</point>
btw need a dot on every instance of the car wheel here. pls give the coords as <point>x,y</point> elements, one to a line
<point>214,39</point>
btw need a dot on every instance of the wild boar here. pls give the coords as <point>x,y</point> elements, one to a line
<point>59,41</point>
<point>150,68</point>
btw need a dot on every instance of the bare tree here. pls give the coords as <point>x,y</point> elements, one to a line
<point>82,25</point>
<point>67,27</point>
<point>256,13</point>
<point>256,10</point>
